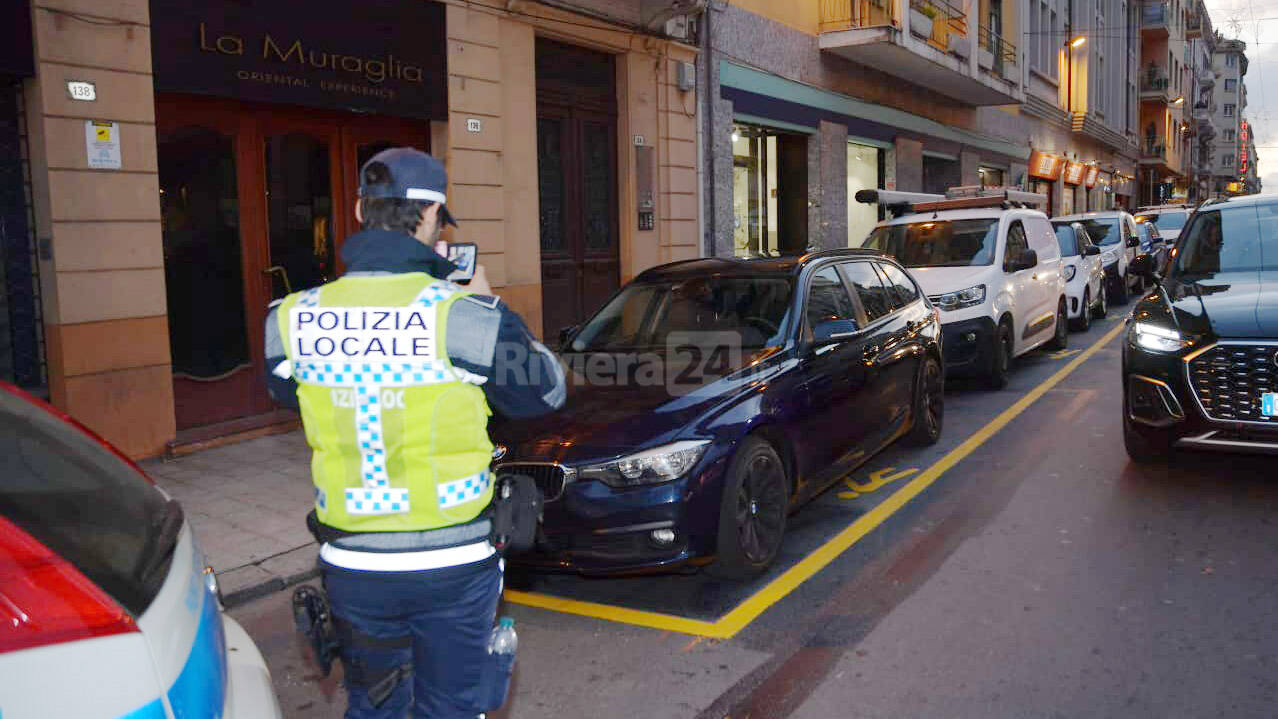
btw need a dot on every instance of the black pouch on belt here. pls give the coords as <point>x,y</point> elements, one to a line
<point>314,620</point>
<point>516,512</point>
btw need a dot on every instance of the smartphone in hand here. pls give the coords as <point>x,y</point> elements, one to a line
<point>465,255</point>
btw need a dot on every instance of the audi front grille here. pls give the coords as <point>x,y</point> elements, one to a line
<point>1229,379</point>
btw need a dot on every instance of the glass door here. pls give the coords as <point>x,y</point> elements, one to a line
<point>205,264</point>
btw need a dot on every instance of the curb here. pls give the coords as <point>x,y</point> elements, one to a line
<point>275,573</point>
<point>270,586</point>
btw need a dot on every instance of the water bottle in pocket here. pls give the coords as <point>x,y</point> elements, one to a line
<point>500,663</point>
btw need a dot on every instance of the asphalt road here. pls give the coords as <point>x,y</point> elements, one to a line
<point>1021,568</point>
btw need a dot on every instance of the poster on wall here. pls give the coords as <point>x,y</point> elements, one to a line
<point>386,57</point>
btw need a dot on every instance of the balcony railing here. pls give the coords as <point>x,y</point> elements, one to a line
<point>1154,149</point>
<point>1194,26</point>
<point>1154,83</point>
<point>1000,53</point>
<point>848,14</point>
<point>1154,16</point>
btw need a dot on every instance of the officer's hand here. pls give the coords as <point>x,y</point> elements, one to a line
<point>479,283</point>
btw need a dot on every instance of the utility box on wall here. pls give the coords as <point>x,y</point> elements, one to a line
<point>646,186</point>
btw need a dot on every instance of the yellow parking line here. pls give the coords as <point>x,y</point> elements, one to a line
<point>749,610</point>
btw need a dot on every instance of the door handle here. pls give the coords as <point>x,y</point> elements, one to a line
<point>283,273</point>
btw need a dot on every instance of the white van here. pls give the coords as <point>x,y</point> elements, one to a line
<point>993,268</point>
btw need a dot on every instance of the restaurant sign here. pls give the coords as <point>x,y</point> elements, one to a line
<point>1045,166</point>
<point>383,56</point>
<point>1074,173</point>
<point>1093,174</point>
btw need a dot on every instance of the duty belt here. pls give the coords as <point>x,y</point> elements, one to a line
<point>455,536</point>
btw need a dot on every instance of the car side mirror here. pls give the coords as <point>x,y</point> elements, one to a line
<point>832,330</point>
<point>1091,251</point>
<point>1143,266</point>
<point>1133,242</point>
<point>1027,260</point>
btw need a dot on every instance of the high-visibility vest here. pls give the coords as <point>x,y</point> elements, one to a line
<point>400,435</point>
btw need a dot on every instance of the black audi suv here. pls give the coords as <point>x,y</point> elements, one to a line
<point>1200,361</point>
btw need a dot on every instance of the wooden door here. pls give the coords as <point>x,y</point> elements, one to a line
<point>255,199</point>
<point>577,182</point>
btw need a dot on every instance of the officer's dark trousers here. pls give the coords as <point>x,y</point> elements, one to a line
<point>449,615</point>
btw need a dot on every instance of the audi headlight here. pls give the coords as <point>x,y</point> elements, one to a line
<point>1157,339</point>
<point>970,297</point>
<point>651,466</point>
<point>1069,272</point>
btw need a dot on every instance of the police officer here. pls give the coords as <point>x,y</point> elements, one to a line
<point>394,370</point>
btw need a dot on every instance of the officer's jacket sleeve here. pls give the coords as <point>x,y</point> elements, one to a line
<point>283,389</point>
<point>484,336</point>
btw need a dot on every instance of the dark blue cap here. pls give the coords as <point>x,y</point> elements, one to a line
<point>414,175</point>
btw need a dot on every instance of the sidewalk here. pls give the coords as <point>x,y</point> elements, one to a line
<point>247,503</point>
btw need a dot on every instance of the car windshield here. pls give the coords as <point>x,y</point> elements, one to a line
<point>85,503</point>
<point>1165,221</point>
<point>1102,231</point>
<point>648,315</point>
<point>1066,238</point>
<point>1231,239</point>
<point>944,243</point>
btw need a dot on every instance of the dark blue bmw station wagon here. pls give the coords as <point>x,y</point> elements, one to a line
<point>710,398</point>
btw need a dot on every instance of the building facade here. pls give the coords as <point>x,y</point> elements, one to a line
<point>1229,62</point>
<point>188,163</point>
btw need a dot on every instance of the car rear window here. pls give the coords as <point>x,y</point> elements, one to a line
<point>85,503</point>
<point>1231,239</point>
<point>1102,232</point>
<point>1166,220</point>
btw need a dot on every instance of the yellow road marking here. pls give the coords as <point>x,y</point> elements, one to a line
<point>750,609</point>
<point>877,479</point>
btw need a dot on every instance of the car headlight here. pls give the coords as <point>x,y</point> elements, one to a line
<point>1157,339</point>
<point>970,297</point>
<point>1110,256</point>
<point>1069,272</point>
<point>651,466</point>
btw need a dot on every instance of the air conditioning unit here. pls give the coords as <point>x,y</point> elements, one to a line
<point>657,14</point>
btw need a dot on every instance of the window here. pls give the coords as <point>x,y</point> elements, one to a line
<point>902,287</point>
<point>828,299</point>
<point>1017,245</point>
<point>1229,135</point>
<point>1229,110</point>
<point>1242,239</point>
<point>869,288</point>
<point>1231,60</point>
<point>1227,161</point>
<point>769,191</point>
<point>1045,36</point>
<point>1231,86</point>
<point>945,243</point>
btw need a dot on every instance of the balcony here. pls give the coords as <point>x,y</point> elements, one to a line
<point>1155,18</point>
<point>927,43</point>
<point>1201,111</point>
<point>1154,85</point>
<point>1207,79</point>
<point>1194,26</point>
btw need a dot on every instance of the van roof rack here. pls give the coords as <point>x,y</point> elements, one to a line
<point>956,198</point>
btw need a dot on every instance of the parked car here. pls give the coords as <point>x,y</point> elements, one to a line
<point>1168,218</point>
<point>994,273</point>
<point>1152,242</point>
<point>1200,364</point>
<point>106,604</point>
<point>1115,233</point>
<point>1084,275</point>
<point>839,357</point>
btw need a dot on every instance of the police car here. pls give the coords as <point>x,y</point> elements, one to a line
<point>990,262</point>
<point>107,608</point>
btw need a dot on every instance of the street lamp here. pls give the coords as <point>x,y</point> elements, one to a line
<point>1069,71</point>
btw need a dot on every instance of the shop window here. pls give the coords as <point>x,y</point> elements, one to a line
<point>940,174</point>
<point>769,191</point>
<point>991,177</point>
<point>865,168</point>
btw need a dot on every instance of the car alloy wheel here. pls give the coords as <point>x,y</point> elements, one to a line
<point>752,514</point>
<point>1102,305</point>
<point>929,404</point>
